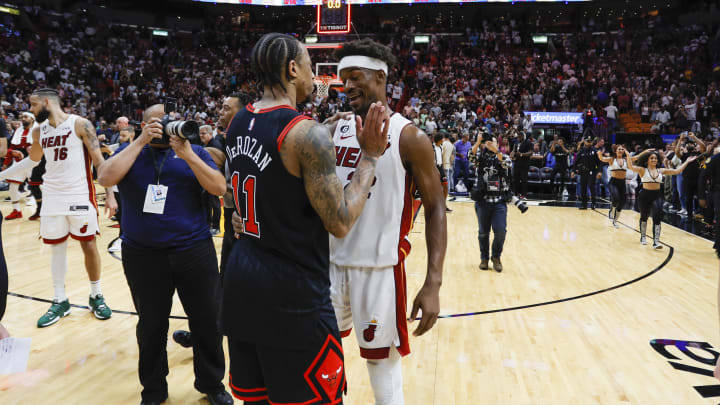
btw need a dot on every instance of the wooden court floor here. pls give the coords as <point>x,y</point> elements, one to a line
<point>602,299</point>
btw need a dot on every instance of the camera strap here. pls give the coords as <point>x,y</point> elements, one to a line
<point>158,168</point>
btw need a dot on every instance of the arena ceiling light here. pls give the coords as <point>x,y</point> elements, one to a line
<point>160,33</point>
<point>422,39</point>
<point>9,10</point>
<point>280,3</point>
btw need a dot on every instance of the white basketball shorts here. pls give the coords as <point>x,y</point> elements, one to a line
<point>81,224</point>
<point>373,300</point>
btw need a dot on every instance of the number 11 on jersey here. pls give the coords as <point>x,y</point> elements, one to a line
<point>252,227</point>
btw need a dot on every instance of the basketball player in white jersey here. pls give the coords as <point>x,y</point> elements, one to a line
<point>17,150</point>
<point>68,143</point>
<point>366,266</point>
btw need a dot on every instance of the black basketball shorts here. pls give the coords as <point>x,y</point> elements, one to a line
<point>277,375</point>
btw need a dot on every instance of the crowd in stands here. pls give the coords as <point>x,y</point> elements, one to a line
<point>484,78</point>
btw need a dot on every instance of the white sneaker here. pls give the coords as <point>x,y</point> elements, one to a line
<point>682,212</point>
<point>116,246</point>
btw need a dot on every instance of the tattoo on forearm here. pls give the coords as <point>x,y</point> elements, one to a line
<point>91,135</point>
<point>337,207</point>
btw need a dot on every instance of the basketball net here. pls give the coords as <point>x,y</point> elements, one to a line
<point>323,86</point>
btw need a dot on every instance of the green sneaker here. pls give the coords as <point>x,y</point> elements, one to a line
<point>99,308</point>
<point>57,310</point>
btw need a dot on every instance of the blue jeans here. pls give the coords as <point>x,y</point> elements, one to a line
<point>491,215</point>
<point>451,179</point>
<point>681,192</point>
<point>462,167</point>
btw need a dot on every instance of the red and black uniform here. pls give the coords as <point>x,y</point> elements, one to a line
<point>282,333</point>
<point>25,142</point>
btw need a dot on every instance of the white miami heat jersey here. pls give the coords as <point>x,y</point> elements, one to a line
<point>68,175</point>
<point>375,238</point>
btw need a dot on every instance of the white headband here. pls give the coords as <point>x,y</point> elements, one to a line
<point>357,61</point>
<point>29,114</point>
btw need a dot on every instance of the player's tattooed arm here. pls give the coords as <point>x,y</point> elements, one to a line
<point>89,138</point>
<point>338,208</point>
<point>309,153</point>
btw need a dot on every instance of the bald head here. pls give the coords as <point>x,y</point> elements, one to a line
<point>122,123</point>
<point>154,111</point>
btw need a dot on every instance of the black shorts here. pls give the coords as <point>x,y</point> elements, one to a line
<point>36,177</point>
<point>281,375</point>
<point>443,175</point>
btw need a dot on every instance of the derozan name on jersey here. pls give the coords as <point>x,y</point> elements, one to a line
<point>246,146</point>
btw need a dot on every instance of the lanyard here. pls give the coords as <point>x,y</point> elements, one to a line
<point>158,168</point>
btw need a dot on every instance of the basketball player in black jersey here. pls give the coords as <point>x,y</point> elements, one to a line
<point>276,311</point>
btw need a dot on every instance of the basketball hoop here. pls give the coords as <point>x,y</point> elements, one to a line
<point>323,86</point>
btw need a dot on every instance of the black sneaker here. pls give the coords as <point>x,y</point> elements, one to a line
<point>183,338</point>
<point>220,398</point>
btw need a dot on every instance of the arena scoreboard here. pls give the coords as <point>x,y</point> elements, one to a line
<point>333,17</point>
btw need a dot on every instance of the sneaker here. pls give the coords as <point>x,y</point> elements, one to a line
<point>99,308</point>
<point>497,265</point>
<point>57,310</point>
<point>116,246</point>
<point>183,338</point>
<point>214,231</point>
<point>14,215</point>
<point>484,264</point>
<point>34,217</point>
<point>682,212</point>
<point>657,245</point>
<point>453,198</point>
<point>447,209</point>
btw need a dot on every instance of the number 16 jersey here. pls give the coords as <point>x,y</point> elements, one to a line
<point>68,174</point>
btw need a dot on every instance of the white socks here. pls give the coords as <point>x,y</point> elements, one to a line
<point>58,266</point>
<point>386,379</point>
<point>15,196</point>
<point>95,289</point>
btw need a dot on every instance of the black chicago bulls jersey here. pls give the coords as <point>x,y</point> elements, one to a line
<point>276,282</point>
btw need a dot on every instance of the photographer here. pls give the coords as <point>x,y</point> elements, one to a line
<point>689,145</point>
<point>167,246</point>
<point>521,154</point>
<point>491,192</point>
<point>587,165</point>
<point>560,153</point>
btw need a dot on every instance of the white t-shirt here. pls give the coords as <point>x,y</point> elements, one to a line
<point>691,111</point>
<point>611,111</point>
<point>397,92</point>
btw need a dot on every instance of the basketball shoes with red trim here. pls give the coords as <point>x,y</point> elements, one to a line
<point>14,215</point>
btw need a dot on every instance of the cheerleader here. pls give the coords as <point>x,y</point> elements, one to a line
<point>651,197</point>
<point>618,170</point>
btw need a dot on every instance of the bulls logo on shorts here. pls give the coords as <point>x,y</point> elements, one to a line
<point>326,375</point>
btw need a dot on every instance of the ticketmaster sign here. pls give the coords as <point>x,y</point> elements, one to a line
<point>558,118</point>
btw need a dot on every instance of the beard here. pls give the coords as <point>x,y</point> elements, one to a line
<point>26,125</point>
<point>43,115</point>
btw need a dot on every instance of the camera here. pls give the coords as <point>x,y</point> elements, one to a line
<point>486,136</point>
<point>520,204</point>
<point>187,130</point>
